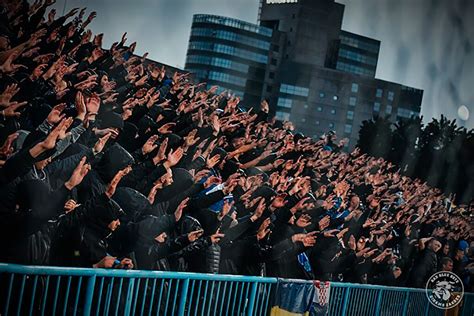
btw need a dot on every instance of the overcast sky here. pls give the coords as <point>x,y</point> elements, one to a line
<point>426,44</point>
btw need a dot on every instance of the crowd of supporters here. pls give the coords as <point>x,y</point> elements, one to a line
<point>108,162</point>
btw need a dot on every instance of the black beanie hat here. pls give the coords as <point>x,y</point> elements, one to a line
<point>111,120</point>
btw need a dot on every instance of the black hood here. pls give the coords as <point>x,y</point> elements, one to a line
<point>182,180</point>
<point>32,195</point>
<point>108,212</point>
<point>219,151</point>
<point>128,137</point>
<point>114,159</point>
<point>146,123</point>
<point>174,141</point>
<point>150,227</point>
<point>132,202</point>
<point>264,191</point>
<point>111,120</point>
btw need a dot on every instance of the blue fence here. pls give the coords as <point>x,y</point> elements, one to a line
<point>33,290</point>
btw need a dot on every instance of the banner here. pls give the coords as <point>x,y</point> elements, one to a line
<point>294,298</point>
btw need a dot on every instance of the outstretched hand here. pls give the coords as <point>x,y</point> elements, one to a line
<point>78,174</point>
<point>110,191</point>
<point>179,210</point>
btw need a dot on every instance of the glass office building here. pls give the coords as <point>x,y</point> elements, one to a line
<point>231,54</point>
<point>357,54</point>
<point>299,59</point>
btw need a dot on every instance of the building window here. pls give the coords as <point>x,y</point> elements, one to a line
<point>355,87</point>
<point>230,36</point>
<point>319,108</point>
<point>388,109</point>
<point>229,50</point>
<point>289,43</point>
<point>352,101</point>
<point>405,113</point>
<point>276,48</point>
<point>376,106</point>
<point>346,67</point>
<point>350,115</point>
<point>216,61</point>
<point>291,29</point>
<point>296,90</point>
<point>379,93</point>
<point>273,61</point>
<point>335,97</point>
<point>285,103</point>
<point>269,88</point>
<point>219,76</point>
<point>333,111</point>
<point>348,128</point>
<point>331,125</point>
<point>282,116</point>
<point>322,94</point>
<point>271,75</point>
<point>390,95</point>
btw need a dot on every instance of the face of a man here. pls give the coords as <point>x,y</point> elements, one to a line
<point>435,245</point>
<point>361,243</point>
<point>104,80</point>
<point>354,202</point>
<point>397,272</point>
<point>448,266</point>
<point>238,142</point>
<point>446,249</point>
<point>459,254</point>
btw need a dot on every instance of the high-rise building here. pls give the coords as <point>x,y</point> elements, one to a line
<point>315,74</point>
<point>354,53</point>
<point>229,53</point>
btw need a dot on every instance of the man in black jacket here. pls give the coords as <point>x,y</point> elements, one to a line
<point>425,265</point>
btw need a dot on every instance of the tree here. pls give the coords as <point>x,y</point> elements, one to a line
<point>375,137</point>
<point>404,150</point>
<point>440,153</point>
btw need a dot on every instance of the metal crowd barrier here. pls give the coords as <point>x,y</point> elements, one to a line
<point>37,290</point>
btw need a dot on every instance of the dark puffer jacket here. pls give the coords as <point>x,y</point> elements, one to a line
<point>207,260</point>
<point>423,268</point>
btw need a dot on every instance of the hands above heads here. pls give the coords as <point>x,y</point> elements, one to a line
<point>110,191</point>
<point>308,240</point>
<point>78,174</point>
<point>263,230</point>
<point>179,210</point>
<point>58,133</point>
<point>163,181</point>
<point>215,238</point>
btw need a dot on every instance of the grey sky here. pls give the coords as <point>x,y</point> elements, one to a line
<point>427,44</point>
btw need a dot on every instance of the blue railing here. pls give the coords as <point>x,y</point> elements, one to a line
<point>35,290</point>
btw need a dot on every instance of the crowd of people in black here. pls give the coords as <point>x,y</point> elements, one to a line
<point>109,162</point>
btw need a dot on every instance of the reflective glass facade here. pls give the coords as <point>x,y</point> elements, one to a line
<point>219,62</point>
<point>296,90</point>
<point>310,70</point>
<point>228,50</point>
<point>231,54</point>
<point>357,54</point>
<point>231,36</point>
<point>234,23</point>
